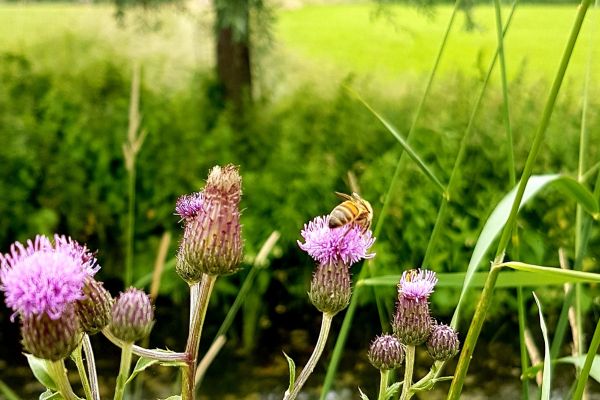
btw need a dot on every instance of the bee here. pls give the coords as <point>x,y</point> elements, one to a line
<point>354,210</point>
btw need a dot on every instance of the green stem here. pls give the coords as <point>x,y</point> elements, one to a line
<point>126,352</point>
<point>505,113</point>
<point>77,357</point>
<point>159,355</point>
<point>59,374</point>
<point>193,343</point>
<point>383,383</point>
<point>314,358</point>
<point>91,367</point>
<point>409,363</point>
<point>587,365</point>
<point>485,300</point>
<point>523,347</point>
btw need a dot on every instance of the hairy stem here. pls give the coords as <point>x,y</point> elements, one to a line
<point>59,374</point>
<point>383,383</point>
<point>314,358</point>
<point>126,352</point>
<point>409,363</point>
<point>159,355</point>
<point>200,305</point>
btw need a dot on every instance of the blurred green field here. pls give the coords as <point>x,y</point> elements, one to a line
<point>311,42</point>
<point>404,40</point>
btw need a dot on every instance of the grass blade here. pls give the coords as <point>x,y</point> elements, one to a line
<point>404,143</point>
<point>500,215</point>
<point>547,378</point>
<point>591,366</point>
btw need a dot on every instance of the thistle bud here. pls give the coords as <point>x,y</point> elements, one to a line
<point>330,289</point>
<point>212,242</point>
<point>132,316</point>
<point>51,339</point>
<point>386,352</point>
<point>412,323</point>
<point>443,343</point>
<point>94,310</point>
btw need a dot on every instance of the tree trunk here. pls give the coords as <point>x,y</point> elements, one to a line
<point>233,56</point>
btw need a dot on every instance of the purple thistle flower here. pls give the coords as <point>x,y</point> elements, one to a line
<point>417,284</point>
<point>345,244</point>
<point>189,205</point>
<point>41,278</point>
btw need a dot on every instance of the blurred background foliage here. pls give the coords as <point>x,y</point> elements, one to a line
<point>62,129</point>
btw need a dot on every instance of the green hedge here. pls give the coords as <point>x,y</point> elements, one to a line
<point>62,165</point>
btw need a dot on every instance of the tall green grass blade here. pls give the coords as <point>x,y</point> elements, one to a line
<point>499,216</point>
<point>485,299</point>
<point>7,392</point>
<point>547,378</point>
<point>453,181</point>
<point>591,365</point>
<point>522,344</point>
<point>347,323</point>
<point>404,143</point>
<point>505,109</point>
<point>526,275</point>
<point>594,367</point>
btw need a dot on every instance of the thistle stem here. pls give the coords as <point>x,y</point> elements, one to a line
<point>188,381</point>
<point>159,355</point>
<point>383,383</point>
<point>314,358</point>
<point>126,352</point>
<point>409,363</point>
<point>91,367</point>
<point>78,358</point>
<point>59,374</point>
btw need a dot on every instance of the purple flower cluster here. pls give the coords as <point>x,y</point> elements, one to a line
<point>189,205</point>
<point>346,244</point>
<point>417,284</point>
<point>40,277</point>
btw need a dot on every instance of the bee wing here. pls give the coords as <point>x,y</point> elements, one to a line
<point>343,196</point>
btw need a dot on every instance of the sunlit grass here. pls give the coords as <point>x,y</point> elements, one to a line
<point>350,38</point>
<point>313,40</point>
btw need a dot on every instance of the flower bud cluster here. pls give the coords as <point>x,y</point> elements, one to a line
<point>412,323</point>
<point>50,286</point>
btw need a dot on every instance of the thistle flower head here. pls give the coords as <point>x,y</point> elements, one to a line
<point>51,339</point>
<point>386,352</point>
<point>443,344</point>
<point>412,322</point>
<point>189,205</point>
<point>212,242</point>
<point>417,284</point>
<point>325,245</point>
<point>132,316</point>
<point>330,289</point>
<point>44,278</point>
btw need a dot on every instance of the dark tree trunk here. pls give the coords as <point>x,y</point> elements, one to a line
<point>233,59</point>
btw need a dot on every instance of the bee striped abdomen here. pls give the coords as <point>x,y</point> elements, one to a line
<point>343,214</point>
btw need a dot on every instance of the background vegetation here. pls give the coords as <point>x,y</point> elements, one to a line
<point>64,98</point>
